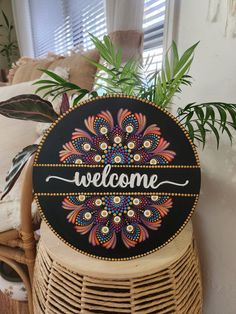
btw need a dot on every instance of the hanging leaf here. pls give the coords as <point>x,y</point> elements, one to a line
<point>65,105</point>
<point>18,164</point>
<point>28,107</point>
<point>5,19</point>
<point>208,117</point>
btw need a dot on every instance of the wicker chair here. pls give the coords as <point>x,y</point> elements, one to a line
<point>18,247</point>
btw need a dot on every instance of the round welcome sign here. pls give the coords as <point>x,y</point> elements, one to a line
<point>116,177</point>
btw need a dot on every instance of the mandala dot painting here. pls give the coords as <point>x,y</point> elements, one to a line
<point>116,177</point>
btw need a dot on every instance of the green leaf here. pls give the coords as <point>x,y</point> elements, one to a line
<point>28,107</point>
<point>5,19</point>
<point>213,128</point>
<point>185,57</point>
<point>175,56</point>
<point>200,113</point>
<point>53,75</point>
<point>17,166</point>
<point>223,117</point>
<point>190,130</point>
<point>167,68</point>
<point>100,66</point>
<point>77,99</point>
<point>51,82</point>
<point>202,132</point>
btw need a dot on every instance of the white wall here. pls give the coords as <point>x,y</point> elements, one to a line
<point>214,72</point>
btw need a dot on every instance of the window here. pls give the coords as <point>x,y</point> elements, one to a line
<point>65,24</point>
<point>153,27</point>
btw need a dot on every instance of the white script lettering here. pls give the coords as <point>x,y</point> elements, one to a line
<point>105,179</point>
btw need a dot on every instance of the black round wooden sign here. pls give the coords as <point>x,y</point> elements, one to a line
<point>116,177</point>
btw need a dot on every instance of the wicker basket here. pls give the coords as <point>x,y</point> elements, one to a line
<point>167,281</point>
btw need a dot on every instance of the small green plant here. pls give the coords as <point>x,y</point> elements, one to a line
<point>117,77</point>
<point>8,46</point>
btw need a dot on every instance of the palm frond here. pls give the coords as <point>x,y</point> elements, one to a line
<point>213,117</point>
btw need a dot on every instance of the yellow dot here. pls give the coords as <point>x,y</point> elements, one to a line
<point>87,216</point>
<point>129,129</point>
<point>137,157</point>
<point>97,158</point>
<point>98,202</point>
<point>104,130</point>
<point>103,145</point>
<point>78,161</point>
<point>131,145</point>
<point>105,230</point>
<point>147,213</point>
<point>130,228</point>
<point>117,199</point>
<point>153,161</point>
<point>117,139</point>
<point>117,159</point>
<point>81,197</point>
<point>136,201</point>
<point>147,144</point>
<point>117,219</point>
<point>104,213</point>
<point>87,147</point>
<point>130,213</point>
<point>154,197</point>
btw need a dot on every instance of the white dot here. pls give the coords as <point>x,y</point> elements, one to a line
<point>104,213</point>
<point>78,161</point>
<point>153,161</point>
<point>87,216</point>
<point>130,228</point>
<point>116,199</point>
<point>87,147</point>
<point>154,197</point>
<point>117,139</point>
<point>137,157</point>
<point>81,197</point>
<point>105,230</point>
<point>130,213</point>
<point>103,145</point>
<point>97,158</point>
<point>98,202</point>
<point>117,219</point>
<point>129,129</point>
<point>136,201</point>
<point>147,144</point>
<point>103,130</point>
<point>131,145</point>
<point>147,213</point>
<point>117,159</point>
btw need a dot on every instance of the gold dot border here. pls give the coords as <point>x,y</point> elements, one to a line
<point>115,193</point>
<point>115,166</point>
<point>116,259</point>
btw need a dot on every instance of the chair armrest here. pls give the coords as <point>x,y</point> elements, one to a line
<point>26,229</point>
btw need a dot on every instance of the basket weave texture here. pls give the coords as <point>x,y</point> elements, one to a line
<point>172,289</point>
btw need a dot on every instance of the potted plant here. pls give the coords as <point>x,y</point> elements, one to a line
<point>8,46</point>
<point>116,77</point>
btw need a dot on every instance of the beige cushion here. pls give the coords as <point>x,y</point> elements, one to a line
<point>30,70</point>
<point>81,71</point>
<point>15,134</point>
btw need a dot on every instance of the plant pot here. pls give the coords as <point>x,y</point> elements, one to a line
<point>11,284</point>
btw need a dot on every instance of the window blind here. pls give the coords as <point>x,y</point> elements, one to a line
<point>153,27</point>
<point>65,24</point>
